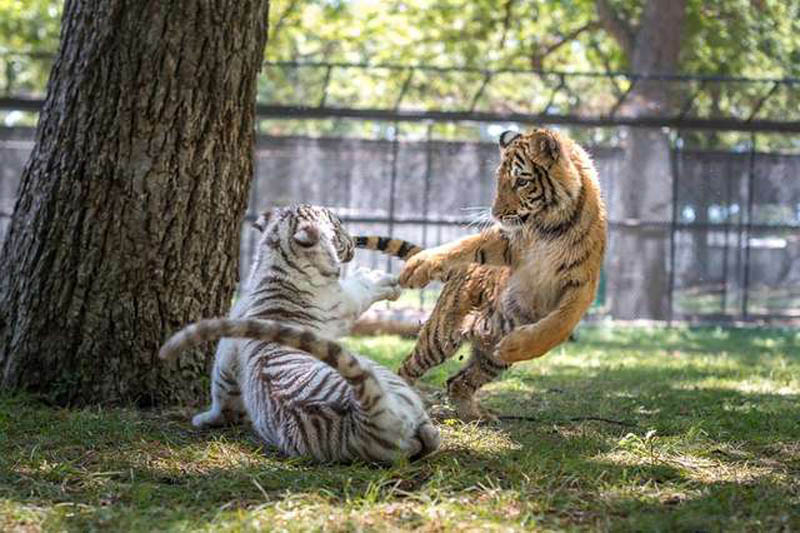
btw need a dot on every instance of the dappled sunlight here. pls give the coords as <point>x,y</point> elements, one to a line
<point>199,458</point>
<point>746,344</point>
<point>652,436</point>
<point>756,385</point>
<point>458,436</point>
<point>628,395</point>
<point>464,513</point>
<point>21,515</point>
<point>691,472</point>
<point>686,466</point>
<point>513,383</point>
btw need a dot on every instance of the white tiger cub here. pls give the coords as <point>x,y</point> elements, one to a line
<point>304,393</point>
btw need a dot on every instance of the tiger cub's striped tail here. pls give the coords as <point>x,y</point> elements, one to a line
<point>365,385</point>
<point>394,247</point>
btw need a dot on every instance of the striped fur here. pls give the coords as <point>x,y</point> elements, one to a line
<point>353,409</point>
<point>303,393</point>
<point>518,288</point>
<point>395,247</point>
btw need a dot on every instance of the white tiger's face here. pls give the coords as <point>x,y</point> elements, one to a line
<point>306,234</point>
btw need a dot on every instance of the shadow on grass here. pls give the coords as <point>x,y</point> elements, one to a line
<point>670,401</point>
<point>702,443</point>
<point>93,468</point>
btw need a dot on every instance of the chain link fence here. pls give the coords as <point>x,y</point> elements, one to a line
<point>734,237</point>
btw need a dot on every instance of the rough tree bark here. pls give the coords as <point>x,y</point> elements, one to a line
<point>127,220</point>
<point>638,256</point>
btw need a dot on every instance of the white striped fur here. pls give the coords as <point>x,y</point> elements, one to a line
<point>334,406</point>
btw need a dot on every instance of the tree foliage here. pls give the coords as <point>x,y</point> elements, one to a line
<point>753,38</point>
<point>28,38</point>
<point>746,38</point>
<point>743,38</point>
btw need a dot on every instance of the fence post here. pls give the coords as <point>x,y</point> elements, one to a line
<point>392,187</point>
<point>252,214</point>
<point>426,196</point>
<point>673,226</point>
<point>748,226</point>
<point>726,246</point>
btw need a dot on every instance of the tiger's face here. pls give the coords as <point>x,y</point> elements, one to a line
<point>535,177</point>
<point>308,232</point>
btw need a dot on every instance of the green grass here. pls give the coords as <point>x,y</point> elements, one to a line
<point>629,429</point>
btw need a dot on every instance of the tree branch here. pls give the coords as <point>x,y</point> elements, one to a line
<point>282,19</point>
<point>537,59</point>
<point>506,24</point>
<point>622,31</point>
<point>607,65</point>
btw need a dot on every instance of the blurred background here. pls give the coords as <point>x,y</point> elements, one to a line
<point>389,112</point>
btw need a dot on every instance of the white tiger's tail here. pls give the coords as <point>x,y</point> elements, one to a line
<point>366,386</point>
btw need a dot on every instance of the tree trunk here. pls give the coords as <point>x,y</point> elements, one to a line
<point>639,254</point>
<point>126,224</point>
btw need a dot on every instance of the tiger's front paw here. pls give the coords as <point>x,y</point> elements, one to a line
<point>378,285</point>
<point>388,288</point>
<point>512,348</point>
<point>420,270</point>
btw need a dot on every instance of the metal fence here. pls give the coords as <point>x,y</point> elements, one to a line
<point>726,240</point>
<point>736,236</point>
<point>532,96</point>
<point>734,239</point>
<point>389,92</point>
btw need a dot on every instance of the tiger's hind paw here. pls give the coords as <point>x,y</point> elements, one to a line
<point>208,419</point>
<point>224,417</point>
<point>469,410</point>
<point>475,413</point>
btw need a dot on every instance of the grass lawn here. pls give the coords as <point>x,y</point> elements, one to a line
<point>626,429</point>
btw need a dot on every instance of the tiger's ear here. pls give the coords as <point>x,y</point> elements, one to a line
<point>261,222</point>
<point>306,236</point>
<point>549,146</point>
<point>507,137</point>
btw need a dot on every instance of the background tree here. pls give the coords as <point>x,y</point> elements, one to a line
<point>127,220</point>
<point>637,273</point>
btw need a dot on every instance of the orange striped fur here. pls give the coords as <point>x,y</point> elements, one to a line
<point>518,288</point>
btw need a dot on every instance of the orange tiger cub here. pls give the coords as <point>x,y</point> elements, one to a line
<point>518,288</point>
